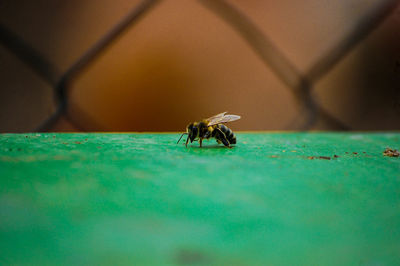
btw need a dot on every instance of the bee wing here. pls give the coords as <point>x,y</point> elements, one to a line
<point>223,119</point>
<point>218,116</point>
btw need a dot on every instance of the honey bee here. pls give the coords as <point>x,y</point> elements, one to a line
<point>212,128</point>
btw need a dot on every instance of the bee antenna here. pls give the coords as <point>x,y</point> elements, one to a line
<point>181,137</point>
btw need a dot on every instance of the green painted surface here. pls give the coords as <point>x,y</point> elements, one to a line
<point>124,198</point>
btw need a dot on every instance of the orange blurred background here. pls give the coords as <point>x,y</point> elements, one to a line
<point>181,62</point>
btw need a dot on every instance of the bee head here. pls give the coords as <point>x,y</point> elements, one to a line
<point>193,131</point>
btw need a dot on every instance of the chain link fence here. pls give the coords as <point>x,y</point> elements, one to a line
<point>299,83</point>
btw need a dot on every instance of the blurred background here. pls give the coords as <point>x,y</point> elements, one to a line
<point>281,65</point>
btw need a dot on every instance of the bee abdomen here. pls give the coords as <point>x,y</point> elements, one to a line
<point>228,133</point>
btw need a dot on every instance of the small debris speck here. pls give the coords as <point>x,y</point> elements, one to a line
<point>325,157</point>
<point>335,156</point>
<point>391,153</point>
<point>355,152</point>
<point>319,157</point>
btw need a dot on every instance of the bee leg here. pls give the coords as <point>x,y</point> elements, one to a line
<point>187,140</point>
<point>226,143</point>
<point>222,138</point>
<point>201,141</point>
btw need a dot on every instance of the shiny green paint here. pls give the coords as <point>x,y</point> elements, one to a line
<point>140,198</point>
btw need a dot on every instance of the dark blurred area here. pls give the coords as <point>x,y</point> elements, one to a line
<point>179,61</point>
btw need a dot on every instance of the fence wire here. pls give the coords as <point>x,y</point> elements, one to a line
<point>300,84</point>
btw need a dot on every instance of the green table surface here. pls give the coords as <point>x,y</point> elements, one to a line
<point>143,199</point>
